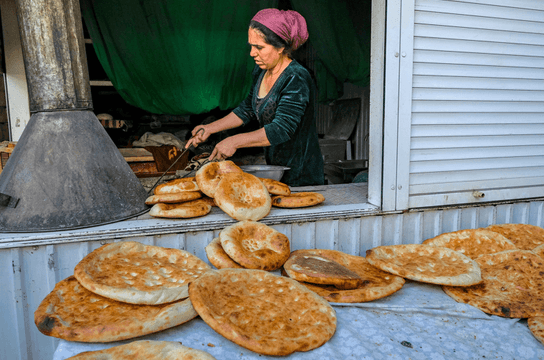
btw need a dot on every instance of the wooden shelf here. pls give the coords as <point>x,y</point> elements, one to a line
<point>100,83</point>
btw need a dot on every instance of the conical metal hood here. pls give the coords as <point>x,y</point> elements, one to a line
<point>67,173</point>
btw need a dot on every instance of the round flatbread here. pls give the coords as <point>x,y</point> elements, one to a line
<point>265,313</point>
<point>254,245</point>
<point>429,264</point>
<point>315,267</point>
<point>209,175</point>
<point>512,286</point>
<point>177,185</point>
<point>73,313</point>
<point>146,350</point>
<point>472,242</point>
<point>298,200</point>
<point>208,200</point>
<point>275,187</point>
<point>139,274</point>
<point>185,210</point>
<point>242,196</point>
<point>173,198</point>
<point>218,257</point>
<point>375,284</point>
<point>536,325</point>
<point>539,250</point>
<point>524,236</point>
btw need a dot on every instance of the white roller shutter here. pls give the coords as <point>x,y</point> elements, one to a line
<point>471,102</point>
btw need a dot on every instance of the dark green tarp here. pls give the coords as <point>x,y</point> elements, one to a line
<point>189,57</point>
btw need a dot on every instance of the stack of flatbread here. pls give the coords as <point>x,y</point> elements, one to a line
<point>121,291</point>
<point>340,277</point>
<point>179,198</point>
<point>263,312</point>
<point>250,245</point>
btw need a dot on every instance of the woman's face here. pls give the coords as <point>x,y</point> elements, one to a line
<point>265,55</point>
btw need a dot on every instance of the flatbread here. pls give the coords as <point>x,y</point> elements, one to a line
<point>177,185</point>
<point>375,284</point>
<point>173,198</point>
<point>512,286</point>
<point>145,350</point>
<point>255,245</point>
<point>242,196</point>
<point>209,175</point>
<point>218,257</point>
<point>315,267</point>
<point>424,263</point>
<point>539,250</point>
<point>298,200</point>
<point>185,210</point>
<point>73,313</point>
<point>524,236</point>
<point>275,187</point>
<point>265,313</point>
<point>472,242</point>
<point>536,325</point>
<point>139,274</point>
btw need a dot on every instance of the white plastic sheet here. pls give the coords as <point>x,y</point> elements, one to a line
<point>418,322</point>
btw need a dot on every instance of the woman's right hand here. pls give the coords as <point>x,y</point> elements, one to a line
<point>200,135</point>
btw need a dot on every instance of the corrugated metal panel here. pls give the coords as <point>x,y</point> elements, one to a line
<point>28,274</point>
<point>477,102</point>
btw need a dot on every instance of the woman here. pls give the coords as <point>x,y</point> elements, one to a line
<point>281,99</point>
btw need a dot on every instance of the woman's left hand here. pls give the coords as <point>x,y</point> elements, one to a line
<point>224,149</point>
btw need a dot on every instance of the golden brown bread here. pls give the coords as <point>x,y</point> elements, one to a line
<point>512,286</point>
<point>265,313</point>
<point>177,185</point>
<point>185,210</point>
<point>218,257</point>
<point>73,313</point>
<point>254,245</point>
<point>298,200</point>
<point>173,198</point>
<point>524,236</point>
<point>315,267</point>
<point>430,264</point>
<point>242,196</point>
<point>375,284</point>
<point>139,274</point>
<point>209,175</point>
<point>472,242</point>
<point>536,325</point>
<point>275,187</point>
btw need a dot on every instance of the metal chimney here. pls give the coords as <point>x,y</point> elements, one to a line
<point>65,171</point>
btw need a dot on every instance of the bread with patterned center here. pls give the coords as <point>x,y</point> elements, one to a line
<point>184,210</point>
<point>209,175</point>
<point>275,187</point>
<point>298,200</point>
<point>263,312</point>
<point>255,245</point>
<point>315,267</point>
<point>73,313</point>
<point>173,198</point>
<point>146,350</point>
<point>424,263</point>
<point>472,242</point>
<point>177,185</point>
<point>218,257</point>
<point>242,196</point>
<point>536,325</point>
<point>375,283</point>
<point>513,285</point>
<point>524,236</point>
<point>139,274</point>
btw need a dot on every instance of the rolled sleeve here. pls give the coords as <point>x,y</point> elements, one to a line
<point>293,101</point>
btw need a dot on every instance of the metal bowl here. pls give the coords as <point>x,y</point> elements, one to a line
<point>274,172</point>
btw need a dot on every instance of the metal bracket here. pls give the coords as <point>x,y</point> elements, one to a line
<point>8,201</point>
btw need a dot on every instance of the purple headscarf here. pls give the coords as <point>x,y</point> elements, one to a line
<point>287,24</point>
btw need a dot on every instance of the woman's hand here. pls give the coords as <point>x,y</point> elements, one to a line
<point>200,135</point>
<point>224,149</point>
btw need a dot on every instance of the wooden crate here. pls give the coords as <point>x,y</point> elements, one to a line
<point>6,148</point>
